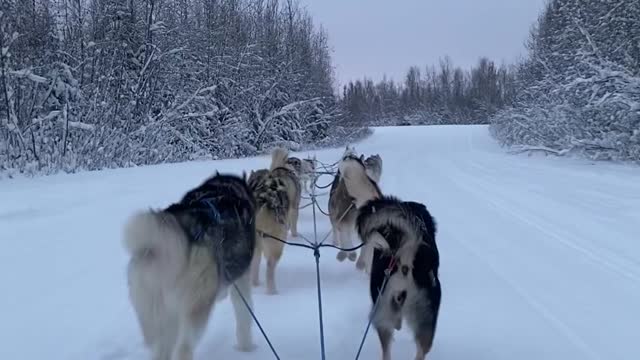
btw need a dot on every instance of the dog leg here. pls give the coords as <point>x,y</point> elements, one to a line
<point>334,232</point>
<point>271,275</point>
<point>365,257</point>
<point>385,335</point>
<point>424,341</point>
<point>255,262</point>
<point>339,241</point>
<point>192,325</point>
<point>243,317</point>
<point>273,252</point>
<point>198,288</point>
<point>293,219</point>
<point>161,352</point>
<point>159,325</point>
<point>347,242</point>
<point>165,340</point>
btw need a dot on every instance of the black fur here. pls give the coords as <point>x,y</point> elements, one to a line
<point>220,214</point>
<point>336,181</point>
<point>427,258</point>
<point>270,192</point>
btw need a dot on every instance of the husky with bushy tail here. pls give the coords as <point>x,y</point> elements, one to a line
<point>403,236</point>
<point>183,260</point>
<point>277,193</point>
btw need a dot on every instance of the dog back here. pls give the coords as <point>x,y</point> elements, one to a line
<point>291,181</point>
<point>409,231</point>
<point>271,194</point>
<point>220,216</point>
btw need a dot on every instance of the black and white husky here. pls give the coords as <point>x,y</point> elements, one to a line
<point>402,234</point>
<point>184,258</point>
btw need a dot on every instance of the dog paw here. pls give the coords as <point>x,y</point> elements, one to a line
<point>360,265</point>
<point>341,255</point>
<point>250,347</point>
<point>272,291</point>
<point>353,256</point>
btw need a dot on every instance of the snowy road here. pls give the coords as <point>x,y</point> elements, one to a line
<point>540,258</point>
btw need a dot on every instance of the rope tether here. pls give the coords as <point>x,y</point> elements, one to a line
<point>264,334</point>
<point>387,275</point>
<point>315,246</point>
<point>316,254</point>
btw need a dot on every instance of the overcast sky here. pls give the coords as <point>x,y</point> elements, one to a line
<point>376,37</point>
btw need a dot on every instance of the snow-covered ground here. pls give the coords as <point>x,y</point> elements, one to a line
<point>540,258</point>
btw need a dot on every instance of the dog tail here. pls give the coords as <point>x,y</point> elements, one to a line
<point>357,182</point>
<point>157,243</point>
<point>377,215</point>
<point>279,158</point>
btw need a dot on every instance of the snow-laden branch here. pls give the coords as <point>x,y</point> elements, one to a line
<point>27,73</point>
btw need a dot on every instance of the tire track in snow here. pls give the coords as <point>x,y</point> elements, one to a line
<point>497,200</point>
<point>630,270</point>
<point>542,310</point>
<point>575,339</point>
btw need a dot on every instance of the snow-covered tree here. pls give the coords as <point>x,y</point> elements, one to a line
<point>579,88</point>
<point>447,94</point>
<point>89,84</point>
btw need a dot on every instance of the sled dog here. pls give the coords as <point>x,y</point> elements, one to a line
<point>305,169</point>
<point>284,171</point>
<point>404,231</point>
<point>351,188</point>
<point>183,260</point>
<point>277,194</point>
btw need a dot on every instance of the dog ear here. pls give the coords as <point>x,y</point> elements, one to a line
<point>244,175</point>
<point>362,157</point>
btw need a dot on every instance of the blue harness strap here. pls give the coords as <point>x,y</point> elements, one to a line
<point>213,214</point>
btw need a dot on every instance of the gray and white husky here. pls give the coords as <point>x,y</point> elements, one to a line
<point>402,234</point>
<point>183,260</point>
<point>305,170</point>
<point>277,193</point>
<point>351,188</point>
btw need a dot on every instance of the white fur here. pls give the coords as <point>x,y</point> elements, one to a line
<point>308,172</point>
<point>349,151</point>
<point>173,287</point>
<point>279,158</point>
<point>358,186</point>
<point>357,181</point>
<point>153,236</point>
<point>373,175</point>
<point>391,216</point>
<point>374,170</point>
